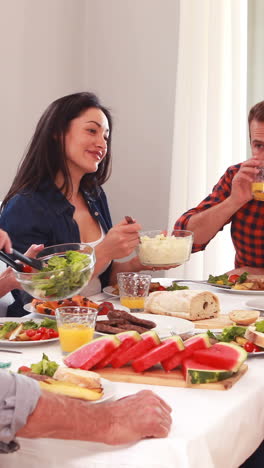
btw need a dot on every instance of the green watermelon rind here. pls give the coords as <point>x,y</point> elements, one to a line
<point>198,376</point>
<point>201,336</point>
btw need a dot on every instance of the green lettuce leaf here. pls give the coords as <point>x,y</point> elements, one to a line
<point>260,326</point>
<point>7,328</point>
<point>45,366</point>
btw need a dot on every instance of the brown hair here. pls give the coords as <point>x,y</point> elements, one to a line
<point>256,113</point>
<point>46,154</point>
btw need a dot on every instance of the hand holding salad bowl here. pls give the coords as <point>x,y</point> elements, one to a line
<point>67,268</point>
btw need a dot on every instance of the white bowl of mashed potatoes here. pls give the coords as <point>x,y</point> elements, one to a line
<point>159,250</point>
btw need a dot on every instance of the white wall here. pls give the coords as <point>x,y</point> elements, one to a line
<point>132,49</point>
<point>255,52</point>
<point>42,58</point>
<point>124,50</point>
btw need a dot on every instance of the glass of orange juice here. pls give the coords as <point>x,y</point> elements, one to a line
<point>133,289</point>
<point>75,326</point>
<point>258,185</point>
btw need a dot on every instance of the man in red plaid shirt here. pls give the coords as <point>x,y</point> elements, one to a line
<point>231,201</point>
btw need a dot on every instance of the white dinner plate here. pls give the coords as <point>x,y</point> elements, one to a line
<point>257,304</point>
<point>22,343</point>
<point>236,291</point>
<point>165,326</point>
<point>29,308</point>
<point>260,353</point>
<point>108,290</point>
<point>109,392</point>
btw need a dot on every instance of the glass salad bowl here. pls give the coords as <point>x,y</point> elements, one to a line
<point>158,250</point>
<point>66,269</point>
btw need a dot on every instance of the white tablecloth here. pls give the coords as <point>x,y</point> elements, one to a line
<point>211,429</point>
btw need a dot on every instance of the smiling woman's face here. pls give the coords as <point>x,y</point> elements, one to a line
<point>86,142</point>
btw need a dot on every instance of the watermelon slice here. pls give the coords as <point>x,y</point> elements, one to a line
<point>149,340</point>
<point>196,373</point>
<point>89,354</point>
<point>200,341</point>
<point>128,339</point>
<point>222,355</point>
<point>167,349</point>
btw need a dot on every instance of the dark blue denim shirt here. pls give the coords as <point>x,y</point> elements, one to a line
<point>46,217</point>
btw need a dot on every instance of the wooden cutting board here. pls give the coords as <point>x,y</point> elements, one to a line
<point>221,321</point>
<point>157,376</point>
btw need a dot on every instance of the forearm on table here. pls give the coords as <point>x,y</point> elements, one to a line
<point>208,223</point>
<point>59,417</point>
<point>7,282</point>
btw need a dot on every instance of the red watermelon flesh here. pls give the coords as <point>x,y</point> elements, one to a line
<point>89,354</point>
<point>168,348</point>
<point>149,340</point>
<point>200,341</point>
<point>222,355</point>
<point>128,339</point>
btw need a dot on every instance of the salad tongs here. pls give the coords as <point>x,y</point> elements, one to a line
<point>10,260</point>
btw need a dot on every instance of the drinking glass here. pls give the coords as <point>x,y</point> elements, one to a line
<point>258,185</point>
<point>75,326</point>
<point>133,289</point>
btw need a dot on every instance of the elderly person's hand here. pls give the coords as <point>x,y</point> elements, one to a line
<point>124,421</point>
<point>138,416</point>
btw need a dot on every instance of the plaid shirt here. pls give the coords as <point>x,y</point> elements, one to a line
<point>247,224</point>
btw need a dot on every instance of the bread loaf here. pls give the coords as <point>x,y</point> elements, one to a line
<point>83,378</point>
<point>187,304</point>
<point>244,317</point>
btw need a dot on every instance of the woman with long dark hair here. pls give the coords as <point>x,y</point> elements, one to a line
<point>57,196</point>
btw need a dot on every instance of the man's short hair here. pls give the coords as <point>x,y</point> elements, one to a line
<point>256,113</point>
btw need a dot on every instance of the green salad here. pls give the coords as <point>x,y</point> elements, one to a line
<point>62,276</point>
<point>175,286</point>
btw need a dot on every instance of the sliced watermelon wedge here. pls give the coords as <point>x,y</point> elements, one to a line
<point>196,373</point>
<point>168,348</point>
<point>200,341</point>
<point>222,355</point>
<point>128,339</point>
<point>89,354</point>
<point>149,340</point>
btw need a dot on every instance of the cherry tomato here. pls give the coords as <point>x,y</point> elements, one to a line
<point>42,330</point>
<point>56,334</point>
<point>233,278</point>
<point>45,336</point>
<point>249,346</point>
<point>256,349</point>
<point>51,333</point>
<point>37,337</point>
<point>23,369</point>
<point>104,308</point>
<point>27,269</point>
<point>31,332</point>
<point>161,288</point>
<point>109,305</point>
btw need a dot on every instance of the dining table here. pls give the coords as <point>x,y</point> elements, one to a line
<point>210,428</point>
